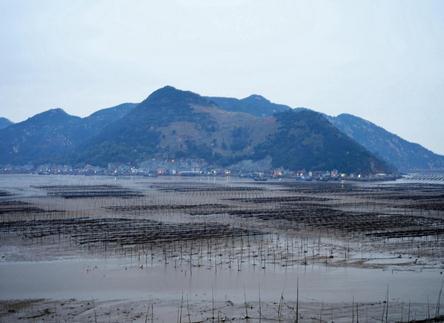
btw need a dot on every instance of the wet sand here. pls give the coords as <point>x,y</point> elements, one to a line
<point>334,249</point>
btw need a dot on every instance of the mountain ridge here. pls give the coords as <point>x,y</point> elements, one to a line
<point>404,155</point>
<point>172,123</point>
<point>50,136</point>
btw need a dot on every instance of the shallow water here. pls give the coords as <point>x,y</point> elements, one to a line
<point>120,278</point>
<point>95,272</point>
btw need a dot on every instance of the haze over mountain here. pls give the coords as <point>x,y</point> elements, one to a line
<point>175,124</point>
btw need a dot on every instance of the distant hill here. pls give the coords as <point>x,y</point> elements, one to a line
<point>53,136</point>
<point>404,155</point>
<point>46,137</point>
<point>5,122</point>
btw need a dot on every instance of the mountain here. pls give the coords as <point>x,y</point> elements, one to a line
<point>46,137</point>
<point>173,124</point>
<point>5,123</point>
<point>53,136</point>
<point>307,140</point>
<point>254,104</point>
<point>404,155</point>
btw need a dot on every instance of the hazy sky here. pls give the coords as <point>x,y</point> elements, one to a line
<point>381,60</point>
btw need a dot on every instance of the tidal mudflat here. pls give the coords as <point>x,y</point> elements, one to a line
<point>105,249</point>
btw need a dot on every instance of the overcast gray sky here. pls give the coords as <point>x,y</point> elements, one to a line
<point>381,60</point>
